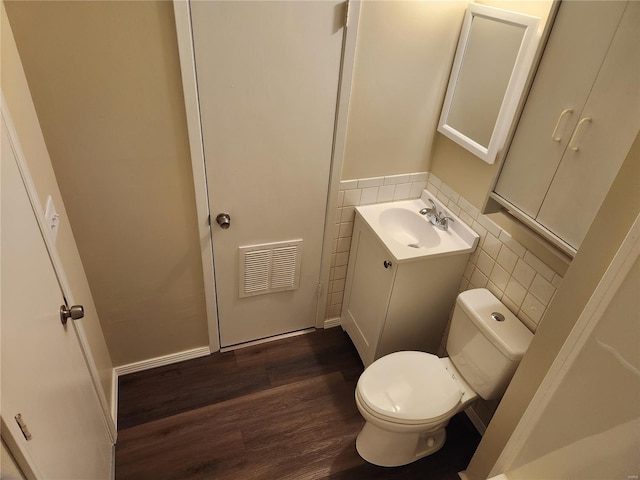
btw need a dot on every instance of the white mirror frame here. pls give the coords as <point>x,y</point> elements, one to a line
<point>515,87</point>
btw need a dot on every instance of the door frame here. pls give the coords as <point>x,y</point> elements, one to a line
<point>182,13</point>
<point>63,282</point>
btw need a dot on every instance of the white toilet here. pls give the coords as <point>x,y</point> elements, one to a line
<point>407,398</point>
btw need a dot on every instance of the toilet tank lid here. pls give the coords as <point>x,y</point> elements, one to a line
<point>510,336</point>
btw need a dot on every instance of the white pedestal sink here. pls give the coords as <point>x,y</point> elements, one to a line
<point>403,277</point>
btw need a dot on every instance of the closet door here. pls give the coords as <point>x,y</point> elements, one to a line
<point>608,126</point>
<point>268,74</point>
<point>578,43</point>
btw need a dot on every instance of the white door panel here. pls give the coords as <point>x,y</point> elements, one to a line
<point>44,374</point>
<point>267,78</point>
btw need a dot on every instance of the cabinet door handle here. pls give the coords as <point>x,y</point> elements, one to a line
<point>554,135</point>
<point>573,145</point>
<point>387,264</point>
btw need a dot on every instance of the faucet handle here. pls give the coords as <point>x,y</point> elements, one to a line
<point>443,221</point>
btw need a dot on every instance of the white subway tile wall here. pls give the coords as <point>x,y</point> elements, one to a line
<point>524,283</point>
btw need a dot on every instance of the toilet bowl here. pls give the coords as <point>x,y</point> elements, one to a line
<point>408,397</point>
<point>407,400</point>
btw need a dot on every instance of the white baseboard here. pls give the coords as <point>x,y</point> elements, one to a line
<point>147,365</point>
<point>114,397</point>
<point>332,322</point>
<point>113,462</point>
<point>160,361</point>
<point>475,419</point>
<point>503,476</point>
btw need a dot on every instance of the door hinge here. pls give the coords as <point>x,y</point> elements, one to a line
<point>23,427</point>
<point>209,219</point>
<point>319,289</point>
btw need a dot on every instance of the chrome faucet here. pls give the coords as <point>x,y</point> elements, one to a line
<point>437,218</point>
<point>430,212</point>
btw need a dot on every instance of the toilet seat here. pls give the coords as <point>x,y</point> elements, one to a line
<point>409,388</point>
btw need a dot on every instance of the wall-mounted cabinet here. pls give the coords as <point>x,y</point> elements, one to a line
<point>580,119</point>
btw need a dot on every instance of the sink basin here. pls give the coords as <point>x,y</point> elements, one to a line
<point>409,236</point>
<point>408,227</point>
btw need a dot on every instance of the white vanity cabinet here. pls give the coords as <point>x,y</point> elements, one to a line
<point>392,305</point>
<point>580,119</point>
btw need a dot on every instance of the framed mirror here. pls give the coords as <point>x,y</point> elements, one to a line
<point>494,55</point>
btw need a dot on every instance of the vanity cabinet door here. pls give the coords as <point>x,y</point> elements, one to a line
<point>368,287</point>
<point>610,123</point>
<point>572,58</point>
<point>389,306</point>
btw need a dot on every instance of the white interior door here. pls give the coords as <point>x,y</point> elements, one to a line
<point>43,372</point>
<point>267,77</point>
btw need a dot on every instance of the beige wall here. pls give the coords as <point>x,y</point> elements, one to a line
<point>536,8</point>
<point>105,79</point>
<point>615,217</point>
<point>403,58</point>
<point>462,170</point>
<point>20,105</point>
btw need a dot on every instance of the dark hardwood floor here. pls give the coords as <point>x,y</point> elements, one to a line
<point>280,410</point>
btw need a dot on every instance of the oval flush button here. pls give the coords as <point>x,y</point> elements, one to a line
<point>497,316</point>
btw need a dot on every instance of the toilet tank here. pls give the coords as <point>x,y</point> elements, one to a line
<point>486,342</point>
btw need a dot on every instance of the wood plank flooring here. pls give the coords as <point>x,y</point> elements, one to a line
<point>280,410</point>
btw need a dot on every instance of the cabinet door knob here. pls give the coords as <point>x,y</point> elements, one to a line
<point>387,264</point>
